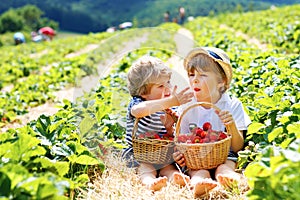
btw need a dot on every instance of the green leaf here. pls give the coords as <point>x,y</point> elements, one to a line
<point>77,147</point>
<point>5,185</point>
<point>86,124</point>
<point>294,128</point>
<point>82,179</point>
<point>257,170</point>
<point>84,160</point>
<point>61,149</point>
<point>275,133</point>
<point>5,136</point>
<point>62,167</point>
<point>24,148</point>
<point>33,152</point>
<point>15,172</point>
<point>42,124</point>
<point>255,127</point>
<point>55,126</point>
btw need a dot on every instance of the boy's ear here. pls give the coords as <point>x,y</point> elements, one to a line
<point>221,84</point>
<point>144,96</point>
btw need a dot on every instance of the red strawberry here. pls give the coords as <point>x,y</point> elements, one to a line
<point>206,140</point>
<point>141,135</point>
<point>203,134</point>
<point>198,131</point>
<point>207,126</point>
<point>213,138</point>
<point>222,136</point>
<point>4,119</point>
<point>156,136</point>
<point>196,139</point>
<point>148,134</point>
<point>182,138</point>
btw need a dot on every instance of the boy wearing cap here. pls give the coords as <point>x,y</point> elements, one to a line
<point>210,74</point>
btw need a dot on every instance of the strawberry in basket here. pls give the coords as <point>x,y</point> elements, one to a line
<point>206,134</point>
<point>155,135</point>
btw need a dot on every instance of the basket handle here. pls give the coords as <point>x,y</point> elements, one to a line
<point>205,104</point>
<point>135,127</point>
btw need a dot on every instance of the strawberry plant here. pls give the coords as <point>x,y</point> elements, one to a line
<point>44,159</point>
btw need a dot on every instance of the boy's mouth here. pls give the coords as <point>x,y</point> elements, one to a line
<point>197,89</point>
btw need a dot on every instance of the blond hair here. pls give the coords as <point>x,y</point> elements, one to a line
<point>202,62</point>
<point>145,71</point>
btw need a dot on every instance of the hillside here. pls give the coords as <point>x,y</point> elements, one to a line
<point>94,16</point>
<point>63,107</point>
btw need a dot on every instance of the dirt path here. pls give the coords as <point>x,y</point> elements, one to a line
<point>84,85</point>
<point>184,43</point>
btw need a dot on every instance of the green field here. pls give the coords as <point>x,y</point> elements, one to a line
<point>53,157</point>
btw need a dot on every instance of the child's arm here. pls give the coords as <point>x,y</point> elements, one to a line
<point>148,107</point>
<point>237,140</point>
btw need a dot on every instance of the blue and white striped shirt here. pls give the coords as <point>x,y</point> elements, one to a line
<point>148,123</point>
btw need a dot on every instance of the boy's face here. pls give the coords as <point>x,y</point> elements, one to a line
<point>205,85</point>
<point>159,90</point>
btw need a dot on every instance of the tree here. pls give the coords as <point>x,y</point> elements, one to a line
<point>11,22</point>
<point>31,15</point>
<point>239,8</point>
<point>25,18</point>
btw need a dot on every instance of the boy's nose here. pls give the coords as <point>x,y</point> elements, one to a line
<point>195,80</point>
<point>168,90</point>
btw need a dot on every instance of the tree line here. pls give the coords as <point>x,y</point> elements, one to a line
<point>95,16</point>
<point>26,18</point>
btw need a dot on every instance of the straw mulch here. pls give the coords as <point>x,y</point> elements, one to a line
<point>118,182</point>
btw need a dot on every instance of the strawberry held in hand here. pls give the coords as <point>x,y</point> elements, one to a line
<point>172,114</point>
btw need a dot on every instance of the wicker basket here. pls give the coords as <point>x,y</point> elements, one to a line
<point>203,155</point>
<point>151,150</point>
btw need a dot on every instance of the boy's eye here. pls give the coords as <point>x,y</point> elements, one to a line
<point>191,74</point>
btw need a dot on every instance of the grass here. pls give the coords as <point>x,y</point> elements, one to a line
<point>122,183</point>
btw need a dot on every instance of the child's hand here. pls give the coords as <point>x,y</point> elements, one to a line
<point>178,158</point>
<point>225,117</point>
<point>183,96</point>
<point>168,122</point>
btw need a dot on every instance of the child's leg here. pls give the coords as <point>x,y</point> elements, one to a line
<point>201,182</point>
<point>148,174</point>
<point>226,175</point>
<point>174,175</point>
